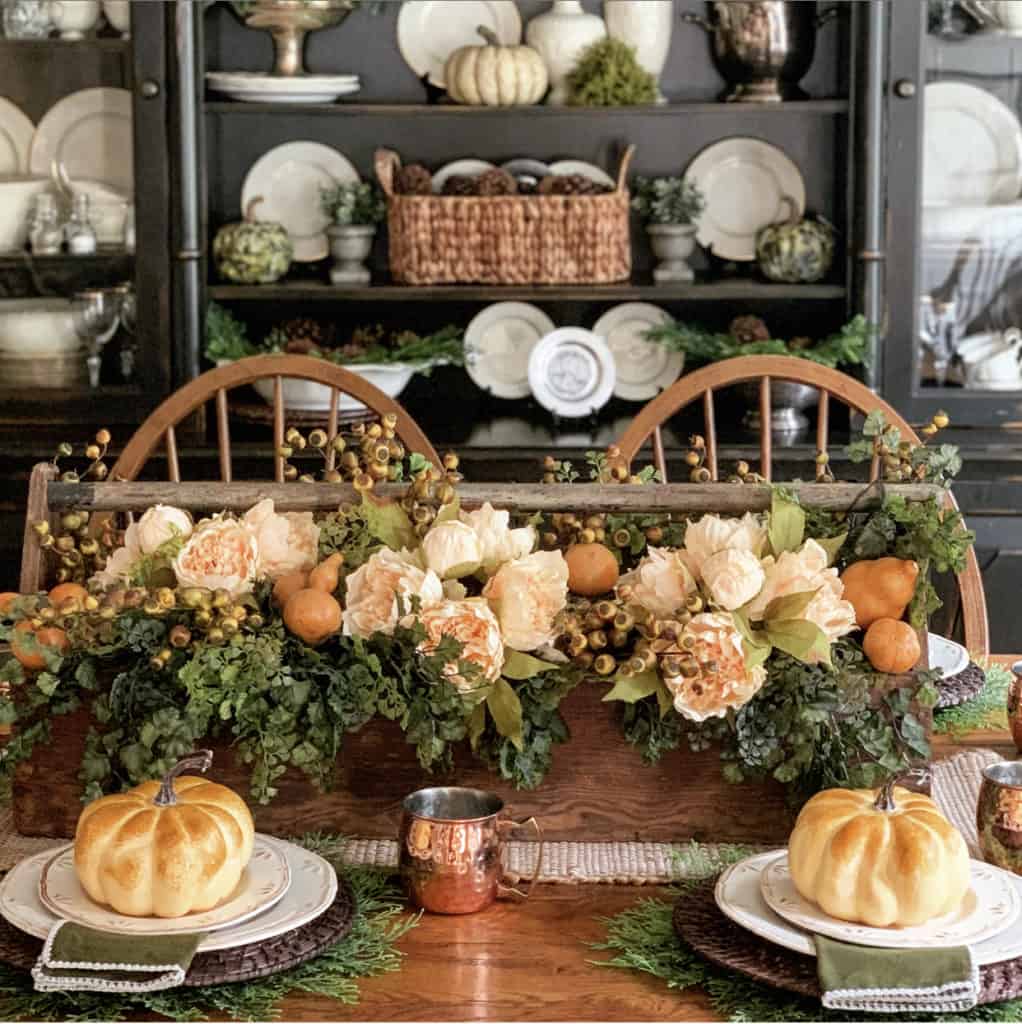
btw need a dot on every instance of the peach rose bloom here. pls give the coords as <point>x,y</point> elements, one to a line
<point>288,541</point>
<point>160,524</point>
<point>800,571</point>
<point>499,543</point>
<point>474,625</point>
<point>371,603</point>
<point>527,595</point>
<point>723,681</point>
<point>221,554</point>
<point>712,534</point>
<point>452,550</point>
<point>732,577</point>
<point>660,582</point>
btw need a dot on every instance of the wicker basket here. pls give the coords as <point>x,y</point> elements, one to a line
<point>507,239</point>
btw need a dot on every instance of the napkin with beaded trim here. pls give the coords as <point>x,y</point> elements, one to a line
<point>80,959</point>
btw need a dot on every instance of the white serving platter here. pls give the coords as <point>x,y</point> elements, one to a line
<point>643,368</point>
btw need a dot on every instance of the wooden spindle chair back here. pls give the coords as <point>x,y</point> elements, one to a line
<point>702,386</point>
<point>160,427</point>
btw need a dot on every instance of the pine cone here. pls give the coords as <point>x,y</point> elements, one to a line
<point>460,185</point>
<point>414,180</point>
<point>496,182</point>
<point>303,335</point>
<point>571,185</point>
<point>748,329</point>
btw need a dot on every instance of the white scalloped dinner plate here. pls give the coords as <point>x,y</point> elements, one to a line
<point>498,343</point>
<point>16,131</point>
<point>264,882</point>
<point>313,889</point>
<point>643,368</point>
<point>739,896</point>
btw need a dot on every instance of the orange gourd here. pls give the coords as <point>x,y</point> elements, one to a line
<point>67,592</point>
<point>892,646</point>
<point>312,615</point>
<point>592,569</point>
<point>289,584</point>
<point>48,636</point>
<point>880,588</point>
<point>5,600</point>
<point>327,574</point>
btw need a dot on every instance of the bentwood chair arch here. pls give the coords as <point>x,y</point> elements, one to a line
<point>160,428</point>
<point>703,384</point>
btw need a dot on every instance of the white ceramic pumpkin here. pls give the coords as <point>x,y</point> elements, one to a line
<point>886,858</point>
<point>492,75</point>
<point>165,849</point>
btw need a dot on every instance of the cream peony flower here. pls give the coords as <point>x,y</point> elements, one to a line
<point>221,554</point>
<point>723,681</point>
<point>660,582</point>
<point>288,542</point>
<point>452,550</point>
<point>733,577</point>
<point>499,542</point>
<point>712,534</point>
<point>160,524</point>
<point>799,571</point>
<point>120,563</point>
<point>374,588</point>
<point>527,595</point>
<point>473,624</point>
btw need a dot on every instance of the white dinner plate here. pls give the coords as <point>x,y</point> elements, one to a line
<point>990,907</point>
<point>740,898</point>
<point>313,889</point>
<point>973,147</point>
<point>571,372</point>
<point>949,657</point>
<point>429,31</point>
<point>465,168</point>
<point>498,343</point>
<point>91,133</point>
<point>747,183</point>
<point>16,131</point>
<point>643,368</point>
<point>264,882</point>
<point>258,87</point>
<point>590,171</point>
<point>289,178</point>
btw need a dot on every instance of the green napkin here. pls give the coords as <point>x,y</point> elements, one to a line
<point>873,980</point>
<point>80,959</point>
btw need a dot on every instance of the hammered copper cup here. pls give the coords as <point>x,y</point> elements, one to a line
<point>450,842</point>
<point>1015,706</point>
<point>999,815</point>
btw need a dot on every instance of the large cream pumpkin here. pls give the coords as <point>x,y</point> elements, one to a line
<point>492,75</point>
<point>165,849</point>
<point>885,858</point>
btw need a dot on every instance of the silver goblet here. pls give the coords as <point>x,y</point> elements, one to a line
<point>129,319</point>
<point>96,313</point>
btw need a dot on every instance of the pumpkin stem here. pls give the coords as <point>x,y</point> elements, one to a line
<point>250,217</point>
<point>885,796</point>
<point>489,35</point>
<point>792,206</point>
<point>200,761</point>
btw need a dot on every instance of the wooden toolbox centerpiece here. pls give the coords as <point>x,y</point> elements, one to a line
<point>597,789</point>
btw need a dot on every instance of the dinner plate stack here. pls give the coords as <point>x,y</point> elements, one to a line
<point>259,87</point>
<point>288,907</point>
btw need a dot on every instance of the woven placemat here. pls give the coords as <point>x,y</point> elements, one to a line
<point>699,923</point>
<point>228,966</point>
<point>955,690</point>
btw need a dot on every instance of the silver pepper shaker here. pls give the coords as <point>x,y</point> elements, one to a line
<point>81,236</point>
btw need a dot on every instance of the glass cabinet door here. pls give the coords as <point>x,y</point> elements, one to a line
<point>963,338</point>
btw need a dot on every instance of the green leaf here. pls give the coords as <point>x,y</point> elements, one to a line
<point>417,463</point>
<point>476,724</point>
<point>665,699</point>
<point>506,709</point>
<point>388,522</point>
<point>448,512</point>
<point>633,688</point>
<point>755,655</point>
<point>752,637</point>
<point>47,683</point>
<point>519,666</point>
<point>832,545</point>
<point>787,524</point>
<point>790,606</point>
<point>801,639</point>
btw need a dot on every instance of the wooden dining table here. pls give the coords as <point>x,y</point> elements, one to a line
<point>532,962</point>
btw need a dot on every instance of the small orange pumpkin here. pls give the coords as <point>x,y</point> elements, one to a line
<point>880,588</point>
<point>48,636</point>
<point>67,592</point>
<point>892,646</point>
<point>592,569</point>
<point>312,615</point>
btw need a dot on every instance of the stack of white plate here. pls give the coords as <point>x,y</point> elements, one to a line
<point>39,347</point>
<point>259,87</point>
<point>284,887</point>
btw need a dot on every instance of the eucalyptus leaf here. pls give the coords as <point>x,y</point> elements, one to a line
<point>752,637</point>
<point>801,639</point>
<point>476,724</point>
<point>506,709</point>
<point>787,524</point>
<point>832,545</point>
<point>665,699</point>
<point>449,511</point>
<point>633,688</point>
<point>388,522</point>
<point>790,606</point>
<point>519,666</point>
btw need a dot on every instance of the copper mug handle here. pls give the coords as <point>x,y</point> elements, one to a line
<point>505,891</point>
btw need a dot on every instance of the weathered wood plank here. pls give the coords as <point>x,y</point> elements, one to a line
<point>726,499</point>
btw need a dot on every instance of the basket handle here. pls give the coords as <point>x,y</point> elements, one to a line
<point>386,162</point>
<point>622,174</point>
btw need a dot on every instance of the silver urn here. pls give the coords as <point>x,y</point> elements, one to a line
<point>789,402</point>
<point>288,22</point>
<point>762,48</point>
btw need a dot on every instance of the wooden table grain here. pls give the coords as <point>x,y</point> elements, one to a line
<point>530,962</point>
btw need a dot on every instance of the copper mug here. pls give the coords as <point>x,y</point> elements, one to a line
<point>450,843</point>
<point>999,815</point>
<point>1015,706</point>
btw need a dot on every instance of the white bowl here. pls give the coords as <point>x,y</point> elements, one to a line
<point>310,396</point>
<point>17,196</point>
<point>37,327</point>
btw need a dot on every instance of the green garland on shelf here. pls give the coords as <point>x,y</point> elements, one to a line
<point>369,949</point>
